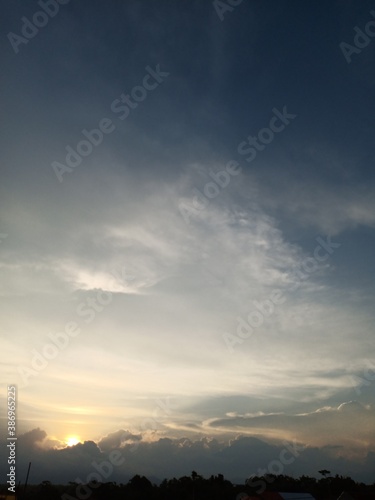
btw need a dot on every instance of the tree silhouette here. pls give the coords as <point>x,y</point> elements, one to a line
<point>324,472</point>
<point>197,487</point>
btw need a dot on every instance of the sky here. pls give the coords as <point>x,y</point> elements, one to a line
<point>187,237</point>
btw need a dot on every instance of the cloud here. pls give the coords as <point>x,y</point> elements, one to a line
<point>117,440</point>
<point>351,424</point>
<point>32,438</point>
<point>319,189</point>
<point>332,212</point>
<point>237,459</point>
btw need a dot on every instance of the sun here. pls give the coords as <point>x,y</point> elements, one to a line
<point>72,440</point>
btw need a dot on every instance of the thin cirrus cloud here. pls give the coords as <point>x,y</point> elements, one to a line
<point>245,251</point>
<point>318,428</point>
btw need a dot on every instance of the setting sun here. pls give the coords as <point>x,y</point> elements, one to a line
<point>72,440</point>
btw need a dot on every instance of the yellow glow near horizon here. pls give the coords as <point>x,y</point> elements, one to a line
<point>72,440</point>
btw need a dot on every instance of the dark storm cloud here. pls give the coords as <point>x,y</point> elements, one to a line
<point>237,460</point>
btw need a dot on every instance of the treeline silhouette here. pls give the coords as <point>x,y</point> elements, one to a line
<point>196,487</point>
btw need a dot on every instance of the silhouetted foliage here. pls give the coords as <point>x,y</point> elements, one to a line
<point>324,472</point>
<point>196,487</point>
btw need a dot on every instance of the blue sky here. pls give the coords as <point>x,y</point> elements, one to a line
<point>199,275</point>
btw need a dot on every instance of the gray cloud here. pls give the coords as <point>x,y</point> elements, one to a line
<point>351,423</point>
<point>237,459</point>
<point>117,440</point>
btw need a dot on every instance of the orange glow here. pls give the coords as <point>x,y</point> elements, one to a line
<point>72,440</point>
